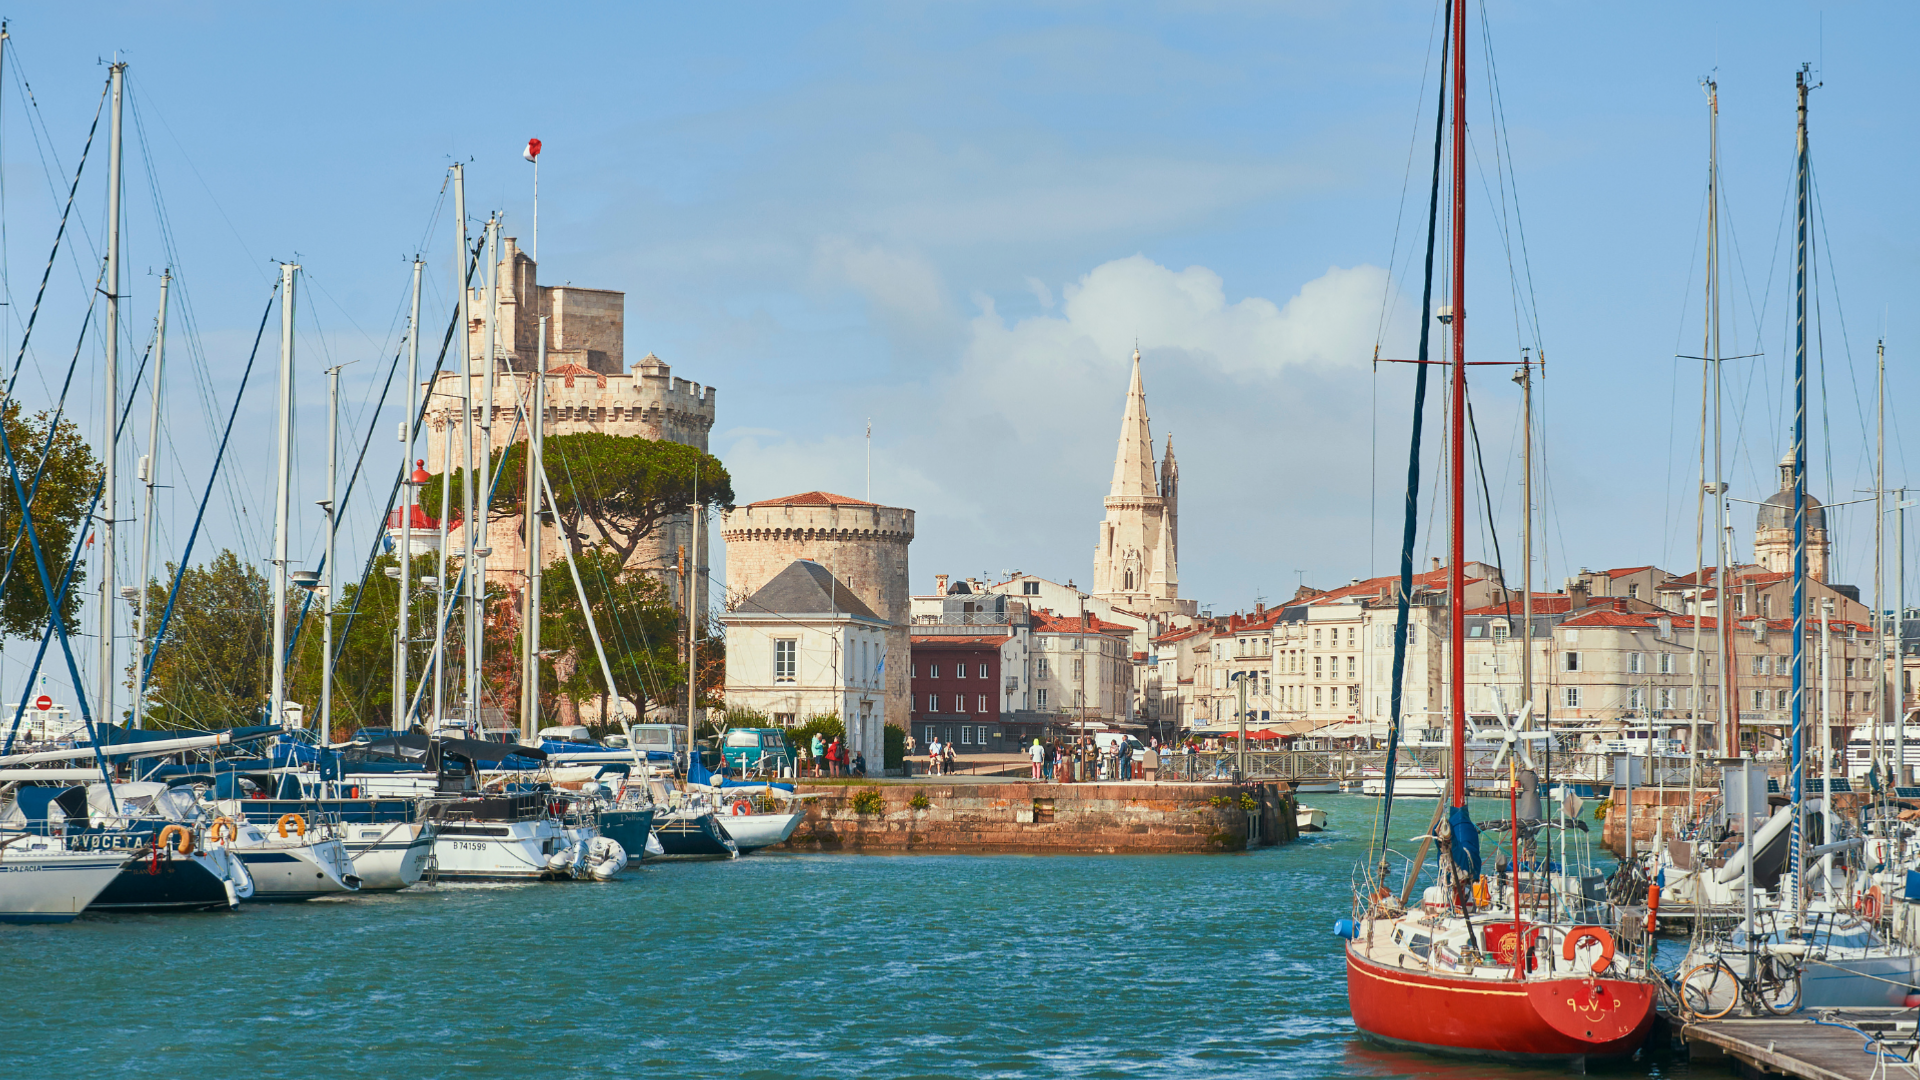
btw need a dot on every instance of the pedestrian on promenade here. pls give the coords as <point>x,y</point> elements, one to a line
<point>946,757</point>
<point>933,756</point>
<point>859,765</point>
<point>1052,758</point>
<point>1038,754</point>
<point>1150,762</point>
<point>833,758</point>
<point>906,760</point>
<point>819,752</point>
<point>1125,756</point>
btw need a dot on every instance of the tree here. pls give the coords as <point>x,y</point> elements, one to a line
<point>214,662</point>
<point>66,489</point>
<point>639,628</point>
<point>623,485</point>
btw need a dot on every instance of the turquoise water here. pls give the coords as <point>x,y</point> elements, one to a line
<point>770,966</point>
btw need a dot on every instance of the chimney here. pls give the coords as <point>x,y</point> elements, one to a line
<point>1436,564</point>
<point>1576,594</point>
<point>940,584</point>
<point>975,585</point>
<point>1259,611</point>
<point>1085,620</point>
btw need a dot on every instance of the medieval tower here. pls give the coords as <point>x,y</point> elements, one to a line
<point>1134,563</point>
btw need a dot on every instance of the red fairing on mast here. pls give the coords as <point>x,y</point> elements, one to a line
<point>532,152</point>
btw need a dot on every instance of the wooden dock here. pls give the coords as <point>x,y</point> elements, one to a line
<point>1826,1044</point>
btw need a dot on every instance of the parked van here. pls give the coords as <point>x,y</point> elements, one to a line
<point>1111,740</point>
<point>662,742</point>
<point>757,750</point>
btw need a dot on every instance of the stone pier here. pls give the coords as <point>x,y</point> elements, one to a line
<point>1116,818</point>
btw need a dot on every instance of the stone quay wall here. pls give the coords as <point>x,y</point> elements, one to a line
<point>1113,819</point>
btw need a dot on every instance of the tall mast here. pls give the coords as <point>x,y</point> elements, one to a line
<point>693,620</point>
<point>1698,702</point>
<point>333,526</point>
<point>1880,557</point>
<point>409,489</point>
<point>1798,734</point>
<point>1723,604</point>
<point>283,493</point>
<point>467,544</point>
<point>530,524</point>
<point>149,467</point>
<point>109,501</point>
<point>1525,378</point>
<point>1457,421</point>
<point>477,561</point>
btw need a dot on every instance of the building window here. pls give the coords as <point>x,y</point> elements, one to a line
<point>1759,700</point>
<point>1079,699</point>
<point>1040,698</point>
<point>983,670</point>
<point>783,719</point>
<point>1316,637</point>
<point>1030,588</point>
<point>983,735</point>
<point>966,734</point>
<point>1780,699</point>
<point>1316,667</point>
<point>1500,631</point>
<point>959,671</point>
<point>1079,669</point>
<point>983,703</point>
<point>1351,631</point>
<point>1353,666</point>
<point>933,670</point>
<point>1040,668</point>
<point>959,703</point>
<point>1849,697</point>
<point>1666,663</point>
<point>1849,675</point>
<point>1663,698</point>
<point>1636,663</point>
<point>933,703</point>
<point>1316,696</point>
<point>1636,697</point>
<point>1766,607</point>
<point>1633,592</point>
<point>1353,696</point>
<point>1759,667</point>
<point>786,654</point>
<point>1570,697</point>
<point>1570,661</point>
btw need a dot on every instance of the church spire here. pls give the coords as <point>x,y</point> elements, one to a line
<point>1133,464</point>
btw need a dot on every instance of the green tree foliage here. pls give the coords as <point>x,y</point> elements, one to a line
<point>214,663</point>
<point>67,484</point>
<point>639,628</point>
<point>624,486</point>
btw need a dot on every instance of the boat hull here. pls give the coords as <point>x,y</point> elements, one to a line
<point>498,850</point>
<point>388,856</point>
<point>172,883</point>
<point>1540,1021</point>
<point>298,870</point>
<point>629,829</point>
<point>52,886</point>
<point>698,837</point>
<point>751,832</point>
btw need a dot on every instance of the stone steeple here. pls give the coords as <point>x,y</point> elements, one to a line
<point>1134,564</point>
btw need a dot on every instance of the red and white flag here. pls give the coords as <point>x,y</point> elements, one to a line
<point>532,152</point>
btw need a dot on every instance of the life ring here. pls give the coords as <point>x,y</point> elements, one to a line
<point>740,808</point>
<point>185,845</point>
<point>299,823</point>
<point>1599,934</point>
<point>1869,904</point>
<point>223,826</point>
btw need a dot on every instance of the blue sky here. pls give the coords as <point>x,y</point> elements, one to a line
<point>956,220</point>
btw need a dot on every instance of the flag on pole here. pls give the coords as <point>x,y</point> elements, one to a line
<point>532,152</point>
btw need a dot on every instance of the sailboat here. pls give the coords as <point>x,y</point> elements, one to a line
<point>1477,968</point>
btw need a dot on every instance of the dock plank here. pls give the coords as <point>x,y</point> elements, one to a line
<point>1799,1047</point>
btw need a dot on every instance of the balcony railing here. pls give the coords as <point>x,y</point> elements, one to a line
<point>966,618</point>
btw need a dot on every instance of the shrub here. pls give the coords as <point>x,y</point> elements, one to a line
<point>829,728</point>
<point>1219,801</point>
<point>1600,809</point>
<point>919,801</point>
<point>869,802</point>
<point>1249,803</point>
<point>896,739</point>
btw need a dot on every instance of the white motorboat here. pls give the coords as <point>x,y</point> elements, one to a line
<point>1309,819</point>
<point>43,882</point>
<point>505,838</point>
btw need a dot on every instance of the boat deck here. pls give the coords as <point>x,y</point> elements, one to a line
<point>1831,1044</point>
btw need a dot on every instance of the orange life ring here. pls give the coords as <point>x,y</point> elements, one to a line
<point>1578,934</point>
<point>299,823</point>
<point>740,808</point>
<point>1869,904</point>
<point>166,835</point>
<point>223,826</point>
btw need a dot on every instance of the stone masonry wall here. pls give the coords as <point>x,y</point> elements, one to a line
<point>1040,818</point>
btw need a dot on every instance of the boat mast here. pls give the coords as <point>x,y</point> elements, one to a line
<point>111,393</point>
<point>1698,703</point>
<point>1798,731</point>
<point>149,467</point>
<point>530,524</point>
<point>1525,378</point>
<point>1880,560</point>
<point>408,490</point>
<point>283,492</point>
<point>333,526</point>
<point>477,561</point>
<point>1723,604</point>
<point>1457,422</point>
<point>467,544</point>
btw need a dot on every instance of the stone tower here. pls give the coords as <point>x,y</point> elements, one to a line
<point>862,544</point>
<point>1773,529</point>
<point>1134,562</point>
<point>589,388</point>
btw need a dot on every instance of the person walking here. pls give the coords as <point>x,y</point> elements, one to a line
<point>906,759</point>
<point>819,752</point>
<point>1038,755</point>
<point>1051,759</point>
<point>833,758</point>
<point>933,756</point>
<point>1124,756</point>
<point>946,757</point>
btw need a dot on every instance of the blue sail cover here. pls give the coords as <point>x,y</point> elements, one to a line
<point>697,771</point>
<point>1465,848</point>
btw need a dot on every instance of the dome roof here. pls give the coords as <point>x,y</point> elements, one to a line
<point>1777,512</point>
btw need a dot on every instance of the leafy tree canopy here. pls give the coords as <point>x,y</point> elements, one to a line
<point>214,662</point>
<point>66,486</point>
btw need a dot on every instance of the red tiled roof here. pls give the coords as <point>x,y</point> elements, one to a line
<point>1046,622</point>
<point>1624,571</point>
<point>1543,604</point>
<point>813,498</point>
<point>1432,579</point>
<point>1181,634</point>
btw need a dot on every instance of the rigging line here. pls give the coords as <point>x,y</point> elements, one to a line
<point>1486,492</point>
<point>173,593</point>
<point>53,256</point>
<point>53,430</point>
<point>419,419</point>
<point>1411,525</point>
<point>1501,134</point>
<point>1389,291</point>
<point>159,114</point>
<point>1846,342</point>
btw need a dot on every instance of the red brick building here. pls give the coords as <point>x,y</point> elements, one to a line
<point>954,680</point>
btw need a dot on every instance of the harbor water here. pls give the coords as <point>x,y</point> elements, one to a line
<point>774,966</point>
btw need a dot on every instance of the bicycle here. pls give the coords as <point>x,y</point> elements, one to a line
<point>1712,990</point>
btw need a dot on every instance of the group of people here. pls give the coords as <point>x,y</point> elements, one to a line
<point>824,758</point>
<point>1078,762</point>
<point>939,755</point>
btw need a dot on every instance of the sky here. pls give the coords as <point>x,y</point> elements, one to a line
<point>958,221</point>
